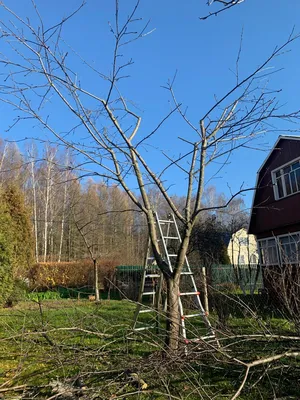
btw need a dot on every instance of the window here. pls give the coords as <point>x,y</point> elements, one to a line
<point>290,249</point>
<point>268,252</point>
<point>241,259</point>
<point>284,249</point>
<point>287,180</point>
<point>243,241</point>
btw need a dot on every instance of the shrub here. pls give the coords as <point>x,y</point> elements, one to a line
<point>48,295</point>
<point>222,303</point>
<point>20,228</point>
<point>6,281</point>
<point>70,274</point>
<point>18,293</point>
<point>6,255</point>
<point>16,244</point>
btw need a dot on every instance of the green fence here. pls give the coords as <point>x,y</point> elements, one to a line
<point>128,279</point>
<point>247,278</point>
<point>241,278</point>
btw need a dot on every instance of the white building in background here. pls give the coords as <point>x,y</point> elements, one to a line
<point>242,248</point>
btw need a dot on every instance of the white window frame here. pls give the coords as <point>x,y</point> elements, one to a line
<point>276,248</point>
<point>280,256</point>
<point>280,252</point>
<point>274,180</point>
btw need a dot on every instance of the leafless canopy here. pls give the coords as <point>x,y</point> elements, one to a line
<point>40,71</point>
<point>104,127</point>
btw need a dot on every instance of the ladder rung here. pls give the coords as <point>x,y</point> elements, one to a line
<point>166,232</point>
<point>189,293</point>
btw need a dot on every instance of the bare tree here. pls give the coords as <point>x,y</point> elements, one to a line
<point>32,159</point>
<point>3,155</point>
<point>108,126</point>
<point>50,155</point>
<point>87,232</point>
<point>66,176</point>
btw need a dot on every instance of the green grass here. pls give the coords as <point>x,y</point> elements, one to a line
<point>61,292</point>
<point>61,339</point>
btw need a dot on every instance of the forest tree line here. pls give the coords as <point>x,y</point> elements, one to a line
<point>73,212</point>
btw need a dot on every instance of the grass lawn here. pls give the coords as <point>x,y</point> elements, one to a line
<point>66,339</point>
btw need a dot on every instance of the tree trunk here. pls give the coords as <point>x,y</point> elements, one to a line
<point>35,212</point>
<point>46,222</point>
<point>96,278</point>
<point>62,228</point>
<point>173,322</point>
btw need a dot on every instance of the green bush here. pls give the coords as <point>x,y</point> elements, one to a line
<point>6,282</point>
<point>40,296</point>
<point>6,255</point>
<point>223,303</point>
<point>16,243</point>
<point>18,293</point>
<point>75,293</point>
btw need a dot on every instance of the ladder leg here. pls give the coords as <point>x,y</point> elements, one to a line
<point>141,289</point>
<point>165,230</point>
<point>155,278</point>
<point>188,272</point>
<point>136,314</point>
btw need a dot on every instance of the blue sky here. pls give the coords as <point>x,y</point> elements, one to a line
<point>202,52</point>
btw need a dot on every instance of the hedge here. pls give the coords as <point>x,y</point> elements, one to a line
<point>71,274</point>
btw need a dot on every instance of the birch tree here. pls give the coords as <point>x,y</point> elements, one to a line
<point>50,154</point>
<point>113,143</point>
<point>65,177</point>
<point>31,159</point>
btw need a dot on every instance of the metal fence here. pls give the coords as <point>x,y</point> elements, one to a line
<point>247,278</point>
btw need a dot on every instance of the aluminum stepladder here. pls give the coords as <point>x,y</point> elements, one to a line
<point>170,240</point>
<point>150,290</point>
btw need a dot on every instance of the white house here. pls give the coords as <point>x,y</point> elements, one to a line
<point>242,248</point>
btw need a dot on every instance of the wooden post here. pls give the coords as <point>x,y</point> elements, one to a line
<point>205,290</point>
